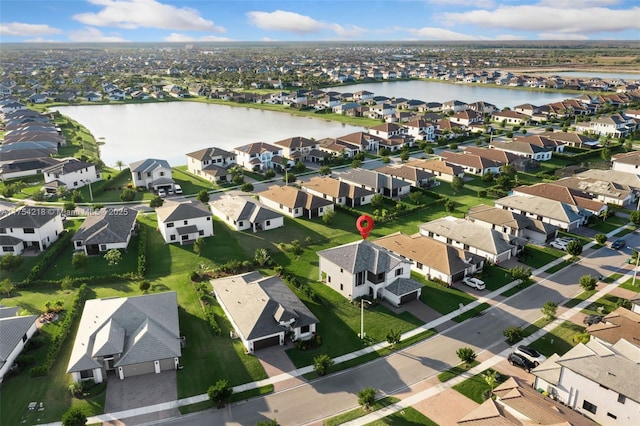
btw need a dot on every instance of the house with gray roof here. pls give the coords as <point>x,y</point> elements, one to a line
<point>263,310</point>
<point>29,227</point>
<point>15,331</point>
<point>242,212</point>
<point>512,224</point>
<point>184,222</point>
<point>105,229</point>
<point>24,167</point>
<point>152,174</point>
<point>523,149</point>
<point>557,213</point>
<point>129,336</point>
<point>488,243</point>
<point>70,173</point>
<point>210,163</point>
<point>377,182</point>
<point>364,269</point>
<point>595,379</point>
<point>415,177</point>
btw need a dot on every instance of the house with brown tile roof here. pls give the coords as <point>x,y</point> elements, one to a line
<point>512,224</point>
<point>416,177</point>
<point>609,192</point>
<point>420,129</point>
<point>337,148</point>
<point>467,118</point>
<point>510,117</point>
<point>552,191</point>
<point>628,162</point>
<point>337,191</point>
<point>619,324</point>
<point>294,202</point>
<point>470,163</point>
<point>386,130</point>
<point>441,169</point>
<point>297,148</point>
<point>431,258</point>
<point>542,142</point>
<point>562,215</point>
<point>572,139</point>
<point>502,157</point>
<point>365,141</point>
<point>523,149</point>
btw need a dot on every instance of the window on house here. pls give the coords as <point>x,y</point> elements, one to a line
<point>3,230</point>
<point>7,249</point>
<point>398,272</point>
<point>75,183</point>
<point>613,416</point>
<point>589,406</point>
<point>329,278</point>
<point>29,231</point>
<point>185,237</point>
<point>170,225</point>
<point>86,374</point>
<point>418,265</point>
<point>201,232</point>
<point>161,173</point>
<point>622,399</point>
<point>208,218</point>
<point>185,222</point>
<point>148,174</point>
<point>341,287</point>
<point>341,270</point>
<point>78,243</point>
<point>103,247</point>
<point>24,338</point>
<point>305,329</point>
<point>268,223</point>
<point>173,238</point>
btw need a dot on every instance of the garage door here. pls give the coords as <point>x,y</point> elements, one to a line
<point>265,343</point>
<point>408,297</point>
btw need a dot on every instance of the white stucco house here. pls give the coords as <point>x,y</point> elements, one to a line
<point>71,173</point>
<point>15,331</point>
<point>259,156</point>
<point>29,227</point>
<point>263,310</point>
<point>243,212</point>
<point>210,163</point>
<point>105,229</point>
<point>152,174</point>
<point>184,222</point>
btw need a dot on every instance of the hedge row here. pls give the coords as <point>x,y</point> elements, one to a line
<point>213,320</point>
<point>65,328</point>
<point>142,252</point>
<point>98,279</point>
<point>49,257</point>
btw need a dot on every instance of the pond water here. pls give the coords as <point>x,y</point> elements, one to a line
<point>168,131</point>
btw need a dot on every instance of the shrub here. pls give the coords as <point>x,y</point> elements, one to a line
<point>74,417</point>
<point>588,282</point>
<point>156,201</point>
<point>366,397</point>
<point>513,334</point>
<point>113,257</point>
<point>270,173</point>
<point>601,238</point>
<point>49,257</point>
<point>634,216</point>
<point>549,310</point>
<point>220,393</point>
<point>144,286</point>
<point>79,260</point>
<point>322,363</point>
<point>203,196</point>
<point>142,252</point>
<point>69,207</point>
<point>10,261</point>
<point>328,217</point>
<point>128,195</point>
<point>574,248</point>
<point>466,355</point>
<point>247,187</point>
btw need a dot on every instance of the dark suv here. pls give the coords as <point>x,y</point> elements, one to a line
<point>592,319</point>
<point>618,244</point>
<point>520,361</point>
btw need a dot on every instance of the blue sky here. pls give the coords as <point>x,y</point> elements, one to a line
<point>319,20</point>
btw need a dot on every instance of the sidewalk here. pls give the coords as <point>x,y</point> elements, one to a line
<point>413,399</point>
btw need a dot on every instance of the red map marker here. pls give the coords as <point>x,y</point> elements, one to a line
<point>364,225</point>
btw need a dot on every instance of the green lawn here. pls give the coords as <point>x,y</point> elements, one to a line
<point>440,298</point>
<point>456,370</point>
<point>629,285</point>
<point>579,298</point>
<point>476,388</point>
<point>559,266</point>
<point>190,184</point>
<point>609,225</point>
<point>359,412</point>
<point>537,257</point>
<point>604,305</point>
<point>495,277</point>
<point>559,340</point>
<point>407,417</point>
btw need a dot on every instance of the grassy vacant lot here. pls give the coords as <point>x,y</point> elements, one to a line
<point>476,388</point>
<point>407,417</point>
<point>608,225</point>
<point>559,340</point>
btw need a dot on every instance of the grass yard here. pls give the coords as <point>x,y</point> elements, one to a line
<point>456,370</point>
<point>609,225</point>
<point>477,311</point>
<point>190,184</point>
<point>495,277</point>
<point>537,256</point>
<point>559,266</point>
<point>604,305</point>
<point>579,298</point>
<point>476,388</point>
<point>359,412</point>
<point>628,285</point>
<point>407,417</point>
<point>559,340</point>
<point>442,299</point>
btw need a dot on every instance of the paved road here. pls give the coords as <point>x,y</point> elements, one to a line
<point>313,401</point>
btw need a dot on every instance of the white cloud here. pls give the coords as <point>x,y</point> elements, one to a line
<point>93,35</point>
<point>509,37</point>
<point>579,20</point>
<point>41,40</point>
<point>20,29</point>
<point>433,33</point>
<point>177,37</point>
<point>268,39</point>
<point>132,14</point>
<point>281,20</point>
<point>480,4</point>
<point>571,4</point>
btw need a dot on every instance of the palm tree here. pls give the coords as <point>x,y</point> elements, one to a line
<point>119,164</point>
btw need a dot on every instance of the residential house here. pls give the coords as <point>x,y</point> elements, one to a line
<point>184,221</point>
<point>541,141</point>
<point>510,117</point>
<point>29,227</point>
<point>470,163</point>
<point>597,380</point>
<point>523,149</point>
<point>15,331</point>
<point>152,174</point>
<point>210,163</point>
<point>25,167</point>
<point>337,191</point>
<point>258,156</point>
<point>338,148</point>
<point>129,336</point>
<point>242,212</point>
<point>388,130</point>
<point>467,118</point>
<point>297,148</point>
<point>615,125</point>
<point>482,107</point>
<point>501,157</point>
<point>70,173</point>
<point>441,169</point>
<point>583,201</point>
<point>105,229</point>
<point>573,139</point>
<point>490,244</point>
<point>622,323</point>
<point>377,182</point>
<point>364,141</point>
<point>455,106</point>
<point>628,162</point>
<point>294,202</point>
<point>432,258</point>
<point>364,269</point>
<point>512,224</point>
<point>421,129</point>
<point>606,191</point>
<point>263,310</point>
<point>415,177</point>
<point>557,213</point>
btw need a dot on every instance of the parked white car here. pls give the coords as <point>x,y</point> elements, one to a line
<point>560,243</point>
<point>178,189</point>
<point>474,282</point>
<point>531,354</point>
<point>162,192</point>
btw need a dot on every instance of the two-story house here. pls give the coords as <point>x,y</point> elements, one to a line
<point>421,129</point>
<point>152,174</point>
<point>377,182</point>
<point>29,227</point>
<point>184,222</point>
<point>210,163</point>
<point>258,156</point>
<point>297,148</point>
<point>512,224</point>
<point>70,173</point>
<point>337,191</point>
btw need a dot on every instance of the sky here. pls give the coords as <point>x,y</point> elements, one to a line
<point>316,20</point>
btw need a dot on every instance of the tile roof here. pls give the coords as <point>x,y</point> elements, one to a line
<point>563,194</point>
<point>619,324</point>
<point>541,206</point>
<point>291,197</point>
<point>335,188</point>
<point>436,166</point>
<point>210,153</point>
<point>491,154</point>
<point>12,329</point>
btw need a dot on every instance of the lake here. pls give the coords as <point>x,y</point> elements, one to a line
<point>430,91</point>
<point>168,131</point>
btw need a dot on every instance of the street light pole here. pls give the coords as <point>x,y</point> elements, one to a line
<point>90,191</point>
<point>362,301</point>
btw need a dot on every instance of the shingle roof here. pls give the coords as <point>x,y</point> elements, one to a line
<point>68,165</point>
<point>406,172</point>
<point>148,165</point>
<point>173,210</point>
<point>362,256</point>
<point>241,207</point>
<point>257,304</point>
<point>107,226</point>
<point>12,329</point>
<point>210,153</point>
<point>563,194</point>
<point>372,179</point>
<point>502,217</point>
<point>29,217</point>
<point>541,206</point>
<point>291,197</point>
<point>619,324</point>
<point>335,188</point>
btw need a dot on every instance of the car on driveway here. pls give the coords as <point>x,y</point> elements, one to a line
<point>474,282</point>
<point>162,193</point>
<point>592,319</point>
<point>531,354</point>
<point>520,361</point>
<point>560,243</point>
<point>618,244</point>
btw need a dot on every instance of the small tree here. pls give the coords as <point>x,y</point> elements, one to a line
<point>79,260</point>
<point>367,397</point>
<point>203,196</point>
<point>247,187</point>
<point>289,177</point>
<point>356,163</point>
<point>119,165</point>
<point>466,355</point>
<point>74,417</point>
<point>321,364</point>
<point>144,286</point>
<point>549,310</point>
<point>404,155</point>
<point>261,256</point>
<point>520,273</point>
<point>377,201</point>
<point>156,202</point>
<point>490,378</point>
<point>324,170</point>
<point>69,206</point>
<point>574,248</point>
<point>415,197</point>
<point>198,246</point>
<point>588,282</point>
<point>10,261</point>
<point>113,257</point>
<point>457,184</point>
<point>66,284</point>
<point>601,238</point>
<point>128,195</point>
<point>220,393</point>
<point>328,217</point>
<point>449,206</point>
<point>504,182</point>
<point>393,337</point>
<point>634,216</point>
<point>6,287</point>
<point>513,334</point>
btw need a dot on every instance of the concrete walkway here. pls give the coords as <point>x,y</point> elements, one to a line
<point>488,298</point>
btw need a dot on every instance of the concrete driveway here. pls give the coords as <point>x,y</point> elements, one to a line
<point>140,391</point>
